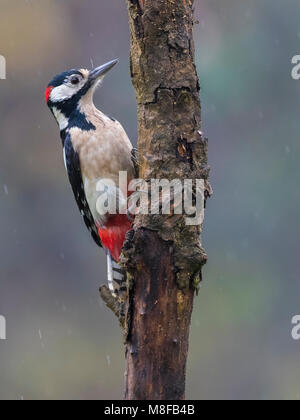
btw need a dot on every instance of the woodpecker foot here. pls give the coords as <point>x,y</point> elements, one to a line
<point>208,192</point>
<point>135,161</point>
<point>130,217</point>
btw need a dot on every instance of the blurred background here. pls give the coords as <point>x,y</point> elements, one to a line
<point>62,343</point>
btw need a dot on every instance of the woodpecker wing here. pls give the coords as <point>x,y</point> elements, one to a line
<point>73,168</point>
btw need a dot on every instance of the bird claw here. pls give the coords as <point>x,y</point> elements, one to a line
<point>129,216</point>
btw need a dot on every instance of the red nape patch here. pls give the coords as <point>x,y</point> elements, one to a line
<point>48,93</point>
<point>113,236</point>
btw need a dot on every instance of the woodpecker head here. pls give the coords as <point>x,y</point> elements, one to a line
<point>66,90</point>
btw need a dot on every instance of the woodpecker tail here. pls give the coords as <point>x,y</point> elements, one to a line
<point>116,277</point>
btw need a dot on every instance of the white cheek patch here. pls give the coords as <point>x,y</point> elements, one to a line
<point>60,118</point>
<point>63,92</point>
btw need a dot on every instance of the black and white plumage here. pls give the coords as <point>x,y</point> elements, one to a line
<point>73,169</point>
<point>96,148</point>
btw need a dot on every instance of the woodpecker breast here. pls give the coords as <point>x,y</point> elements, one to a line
<point>104,151</point>
<point>96,150</point>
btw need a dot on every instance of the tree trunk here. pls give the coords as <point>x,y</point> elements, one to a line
<point>163,255</point>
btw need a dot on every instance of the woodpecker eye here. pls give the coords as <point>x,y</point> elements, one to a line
<point>74,80</point>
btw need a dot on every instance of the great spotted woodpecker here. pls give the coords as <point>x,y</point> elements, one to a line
<point>95,149</point>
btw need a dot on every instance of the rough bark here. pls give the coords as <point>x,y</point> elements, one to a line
<point>163,255</point>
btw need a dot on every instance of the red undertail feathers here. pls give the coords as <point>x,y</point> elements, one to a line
<point>113,235</point>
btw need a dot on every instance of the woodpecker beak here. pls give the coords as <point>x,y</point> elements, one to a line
<point>99,72</point>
